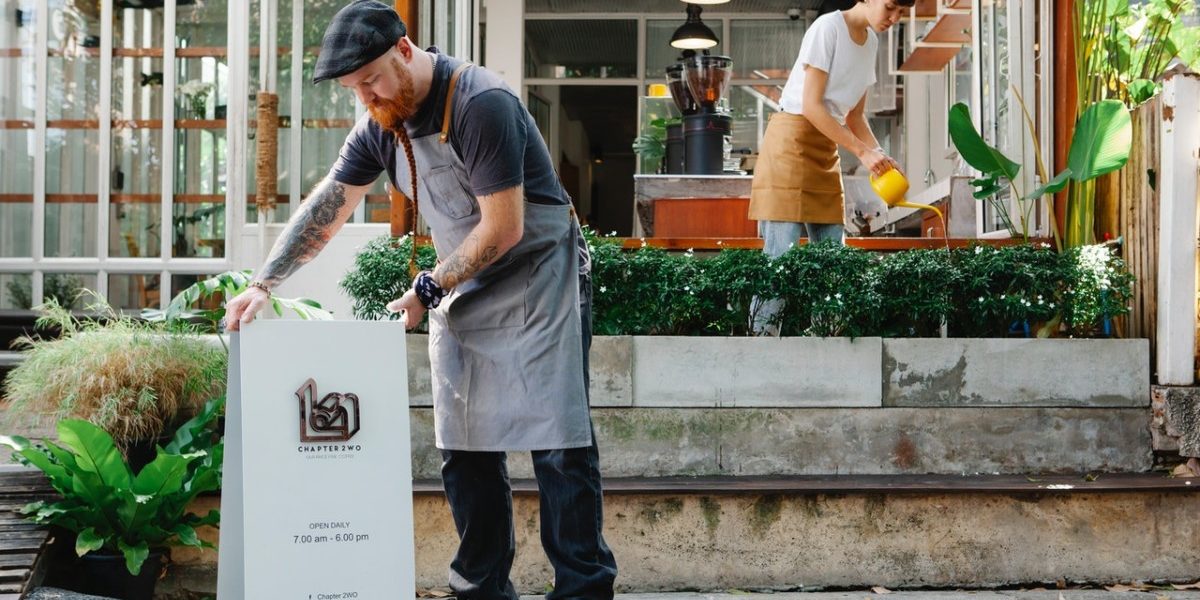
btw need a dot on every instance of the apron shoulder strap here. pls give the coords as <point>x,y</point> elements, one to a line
<point>445,137</point>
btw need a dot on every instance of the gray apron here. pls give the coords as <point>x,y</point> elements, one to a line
<point>505,347</point>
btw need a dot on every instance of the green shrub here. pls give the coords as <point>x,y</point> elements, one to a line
<point>828,289</point>
<point>824,288</point>
<point>380,275</point>
<point>915,291</point>
<point>1099,288</point>
<point>1006,289</point>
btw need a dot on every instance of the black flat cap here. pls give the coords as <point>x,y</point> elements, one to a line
<point>359,33</point>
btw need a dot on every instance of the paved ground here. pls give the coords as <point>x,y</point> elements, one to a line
<point>966,595</point>
<point>57,594</point>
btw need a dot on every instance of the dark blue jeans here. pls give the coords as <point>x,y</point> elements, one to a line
<point>571,507</point>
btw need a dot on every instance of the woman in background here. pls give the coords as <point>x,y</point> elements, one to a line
<point>797,187</point>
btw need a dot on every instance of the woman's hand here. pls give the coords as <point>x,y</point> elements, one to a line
<point>877,162</point>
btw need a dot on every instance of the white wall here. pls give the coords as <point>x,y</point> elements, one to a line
<point>925,139</point>
<point>505,44</point>
<point>318,279</point>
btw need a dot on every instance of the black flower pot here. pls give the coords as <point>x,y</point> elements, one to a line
<point>106,575</point>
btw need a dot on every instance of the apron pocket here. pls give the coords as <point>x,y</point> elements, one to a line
<point>447,192</point>
<point>500,302</point>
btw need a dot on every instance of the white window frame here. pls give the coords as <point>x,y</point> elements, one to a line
<point>38,265</point>
<point>1021,17</point>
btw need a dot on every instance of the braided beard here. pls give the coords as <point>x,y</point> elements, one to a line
<point>391,113</point>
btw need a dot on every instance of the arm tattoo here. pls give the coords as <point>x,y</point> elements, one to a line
<point>306,233</point>
<point>469,259</point>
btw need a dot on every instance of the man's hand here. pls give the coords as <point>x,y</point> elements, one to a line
<point>244,307</point>
<point>413,311</point>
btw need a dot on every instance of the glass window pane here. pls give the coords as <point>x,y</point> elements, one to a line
<point>135,226</point>
<point>765,49</point>
<point>71,186</point>
<point>16,291</point>
<point>751,106</point>
<point>327,111</point>
<point>73,89</point>
<point>581,48</point>
<point>134,292</point>
<point>198,210</point>
<point>18,103</point>
<point>16,192</point>
<point>202,23</point>
<point>69,289</point>
<point>659,52</point>
<point>18,89</point>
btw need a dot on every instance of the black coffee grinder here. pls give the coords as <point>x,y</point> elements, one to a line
<point>705,131</point>
<point>686,105</point>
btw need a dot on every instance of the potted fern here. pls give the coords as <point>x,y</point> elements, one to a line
<point>124,522</point>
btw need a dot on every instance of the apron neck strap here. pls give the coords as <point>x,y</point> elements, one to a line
<point>445,137</point>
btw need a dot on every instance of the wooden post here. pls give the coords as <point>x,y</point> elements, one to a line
<point>401,211</point>
<point>409,11</point>
<point>1065,97</point>
<point>1180,156</point>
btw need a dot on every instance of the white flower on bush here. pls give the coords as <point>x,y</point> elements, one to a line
<point>1094,262</point>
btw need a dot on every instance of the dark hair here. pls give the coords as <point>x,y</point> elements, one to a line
<point>832,5</point>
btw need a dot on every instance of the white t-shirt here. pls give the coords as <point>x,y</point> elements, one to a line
<point>827,46</point>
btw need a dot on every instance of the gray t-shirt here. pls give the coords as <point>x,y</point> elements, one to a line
<point>495,137</point>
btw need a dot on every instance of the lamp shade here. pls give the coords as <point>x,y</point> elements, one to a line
<point>694,34</point>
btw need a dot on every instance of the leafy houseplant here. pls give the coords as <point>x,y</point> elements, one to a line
<point>135,380</point>
<point>180,314</point>
<point>651,146</point>
<point>1100,145</point>
<point>111,510</point>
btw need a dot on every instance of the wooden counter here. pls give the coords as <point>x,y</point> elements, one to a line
<point>692,206</point>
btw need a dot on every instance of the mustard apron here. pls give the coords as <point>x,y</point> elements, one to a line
<point>798,176</point>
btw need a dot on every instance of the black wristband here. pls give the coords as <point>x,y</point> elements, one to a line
<point>429,293</point>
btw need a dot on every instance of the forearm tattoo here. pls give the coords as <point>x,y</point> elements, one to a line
<point>306,233</point>
<point>470,258</point>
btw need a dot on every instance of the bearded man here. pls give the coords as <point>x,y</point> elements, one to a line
<point>509,303</point>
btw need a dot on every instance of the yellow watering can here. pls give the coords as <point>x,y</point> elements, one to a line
<point>892,186</point>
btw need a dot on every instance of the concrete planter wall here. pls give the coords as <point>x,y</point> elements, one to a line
<point>667,406</point>
<point>799,372</point>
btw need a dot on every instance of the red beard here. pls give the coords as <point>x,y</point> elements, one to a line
<point>392,113</point>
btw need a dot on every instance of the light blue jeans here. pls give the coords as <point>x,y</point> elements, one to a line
<point>778,237</point>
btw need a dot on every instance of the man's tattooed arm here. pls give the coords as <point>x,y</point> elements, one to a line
<point>501,225</point>
<point>318,218</point>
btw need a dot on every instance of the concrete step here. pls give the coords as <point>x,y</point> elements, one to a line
<point>815,533</point>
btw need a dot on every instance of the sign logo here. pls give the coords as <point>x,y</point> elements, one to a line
<point>335,418</point>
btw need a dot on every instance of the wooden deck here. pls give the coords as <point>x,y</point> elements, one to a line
<point>21,543</point>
